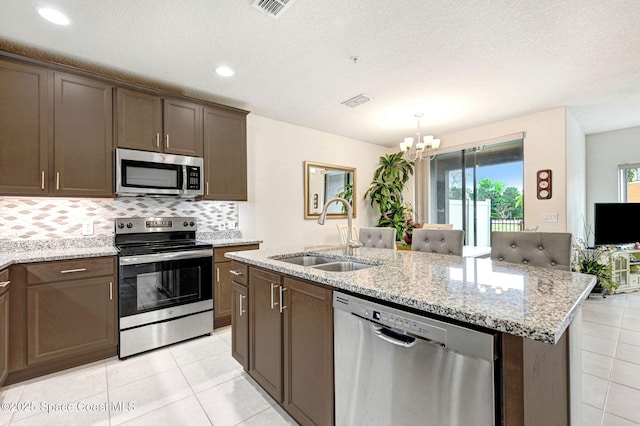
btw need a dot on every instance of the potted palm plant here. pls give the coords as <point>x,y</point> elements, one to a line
<point>386,188</point>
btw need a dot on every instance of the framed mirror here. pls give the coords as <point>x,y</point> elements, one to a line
<point>325,181</point>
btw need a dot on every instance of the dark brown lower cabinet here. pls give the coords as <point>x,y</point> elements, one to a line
<point>223,272</point>
<point>291,344</point>
<point>240,323</point>
<point>4,325</point>
<point>308,354</point>
<point>265,328</point>
<point>70,318</point>
<point>63,314</point>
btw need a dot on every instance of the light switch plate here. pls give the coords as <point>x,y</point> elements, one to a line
<point>87,228</point>
<point>550,217</point>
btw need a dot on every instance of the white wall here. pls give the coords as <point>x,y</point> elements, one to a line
<point>576,177</point>
<point>275,154</point>
<point>604,152</point>
<point>544,148</point>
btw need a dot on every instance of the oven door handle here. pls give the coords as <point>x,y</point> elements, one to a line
<point>163,257</point>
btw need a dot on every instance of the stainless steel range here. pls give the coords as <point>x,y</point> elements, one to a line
<point>165,282</point>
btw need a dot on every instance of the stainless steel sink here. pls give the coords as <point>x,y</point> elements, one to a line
<point>342,266</point>
<point>306,260</point>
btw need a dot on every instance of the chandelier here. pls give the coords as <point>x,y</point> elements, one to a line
<point>426,146</point>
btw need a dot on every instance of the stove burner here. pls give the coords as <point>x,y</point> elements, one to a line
<point>147,235</point>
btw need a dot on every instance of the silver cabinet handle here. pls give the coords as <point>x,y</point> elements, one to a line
<point>207,186</point>
<point>110,290</point>
<point>273,302</point>
<point>218,275</point>
<point>167,147</point>
<point>242,310</point>
<point>282,307</point>
<point>4,284</point>
<point>157,140</point>
<point>68,271</point>
<point>42,180</point>
<point>57,180</point>
<point>236,273</point>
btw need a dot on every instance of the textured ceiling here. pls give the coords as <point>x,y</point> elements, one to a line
<point>462,63</point>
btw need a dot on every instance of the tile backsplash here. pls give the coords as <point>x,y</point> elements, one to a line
<point>45,218</point>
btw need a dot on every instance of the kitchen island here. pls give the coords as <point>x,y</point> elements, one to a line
<point>534,311</point>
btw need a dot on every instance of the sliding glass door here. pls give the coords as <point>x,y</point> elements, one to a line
<point>487,196</point>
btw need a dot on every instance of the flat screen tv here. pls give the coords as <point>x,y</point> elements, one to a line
<point>616,223</point>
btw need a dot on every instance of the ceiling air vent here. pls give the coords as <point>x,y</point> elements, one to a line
<point>357,100</point>
<point>273,8</point>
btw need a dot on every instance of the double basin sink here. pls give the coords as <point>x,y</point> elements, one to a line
<point>325,263</point>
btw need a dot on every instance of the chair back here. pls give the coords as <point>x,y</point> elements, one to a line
<point>378,237</point>
<point>342,229</point>
<point>442,241</point>
<point>546,249</point>
<point>437,226</point>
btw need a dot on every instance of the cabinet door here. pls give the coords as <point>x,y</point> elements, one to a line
<point>308,353</point>
<point>70,318</point>
<point>23,129</point>
<point>240,324</point>
<point>83,137</point>
<point>222,294</point>
<point>139,120</point>
<point>4,337</point>
<point>225,155</point>
<point>265,328</point>
<point>182,128</point>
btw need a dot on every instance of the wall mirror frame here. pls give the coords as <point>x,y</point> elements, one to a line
<point>323,182</point>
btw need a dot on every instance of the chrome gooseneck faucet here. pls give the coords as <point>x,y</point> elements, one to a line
<point>350,245</point>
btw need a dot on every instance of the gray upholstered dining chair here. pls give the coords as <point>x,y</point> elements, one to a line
<point>378,237</point>
<point>546,249</point>
<point>443,241</point>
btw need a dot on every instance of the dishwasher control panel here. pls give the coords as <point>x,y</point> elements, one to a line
<point>403,322</point>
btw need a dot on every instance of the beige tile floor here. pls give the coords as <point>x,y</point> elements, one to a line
<point>611,360</point>
<point>198,383</point>
<point>192,383</point>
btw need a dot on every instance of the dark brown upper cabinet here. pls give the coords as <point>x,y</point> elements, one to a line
<point>151,123</point>
<point>83,149</point>
<point>24,145</point>
<point>225,154</point>
<point>139,120</point>
<point>56,136</point>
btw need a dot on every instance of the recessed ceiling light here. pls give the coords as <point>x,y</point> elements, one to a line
<point>224,71</point>
<point>54,16</point>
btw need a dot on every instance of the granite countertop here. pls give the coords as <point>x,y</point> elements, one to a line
<point>230,242</point>
<point>532,302</point>
<point>27,251</point>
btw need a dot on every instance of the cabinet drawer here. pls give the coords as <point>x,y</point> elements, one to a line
<point>69,270</point>
<point>218,253</point>
<point>634,280</point>
<point>239,272</point>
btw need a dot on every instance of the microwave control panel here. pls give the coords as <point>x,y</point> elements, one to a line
<point>193,177</point>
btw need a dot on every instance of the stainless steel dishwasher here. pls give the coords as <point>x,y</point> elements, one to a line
<point>397,368</point>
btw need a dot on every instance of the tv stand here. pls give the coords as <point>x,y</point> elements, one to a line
<point>625,269</point>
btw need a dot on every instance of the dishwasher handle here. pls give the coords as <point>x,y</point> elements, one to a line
<point>393,337</point>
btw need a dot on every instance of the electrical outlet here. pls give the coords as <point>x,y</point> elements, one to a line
<point>550,217</point>
<point>87,228</point>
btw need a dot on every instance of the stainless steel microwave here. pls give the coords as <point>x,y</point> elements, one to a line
<point>152,174</point>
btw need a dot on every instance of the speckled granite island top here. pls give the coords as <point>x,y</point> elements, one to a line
<point>536,303</point>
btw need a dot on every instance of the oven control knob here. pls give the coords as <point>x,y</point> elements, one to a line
<point>185,224</point>
<point>121,225</point>
<point>129,225</point>
<point>192,224</point>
